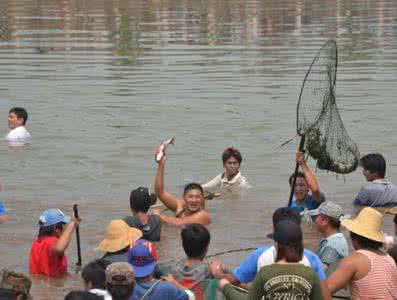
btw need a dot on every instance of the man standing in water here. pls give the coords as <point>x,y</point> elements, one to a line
<point>188,210</point>
<point>305,182</point>
<point>231,179</point>
<point>17,118</point>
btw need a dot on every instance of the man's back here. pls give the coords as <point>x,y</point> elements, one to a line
<point>377,193</point>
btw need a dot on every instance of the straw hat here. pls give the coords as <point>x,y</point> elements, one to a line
<point>368,223</point>
<point>118,236</point>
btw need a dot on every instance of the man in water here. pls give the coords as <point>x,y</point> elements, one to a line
<point>231,179</point>
<point>188,210</point>
<point>17,118</point>
<point>305,182</point>
<point>378,192</point>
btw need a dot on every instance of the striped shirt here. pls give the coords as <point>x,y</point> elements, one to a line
<point>381,280</point>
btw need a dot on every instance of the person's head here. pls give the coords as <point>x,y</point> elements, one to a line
<point>289,238</point>
<point>374,166</point>
<point>143,258</point>
<point>286,213</point>
<point>52,222</point>
<point>18,282</point>
<point>93,274</point>
<point>327,216</point>
<point>301,186</point>
<point>120,280</point>
<point>82,295</point>
<point>141,200</point>
<point>231,158</point>
<point>366,229</point>
<point>17,116</point>
<point>195,240</point>
<point>193,195</point>
<point>118,236</point>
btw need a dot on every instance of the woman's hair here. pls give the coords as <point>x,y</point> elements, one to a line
<point>291,253</point>
<point>365,243</point>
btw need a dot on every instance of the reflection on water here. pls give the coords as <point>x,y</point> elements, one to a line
<point>106,81</point>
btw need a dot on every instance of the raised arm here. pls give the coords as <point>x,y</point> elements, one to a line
<point>64,239</point>
<point>169,200</point>
<point>310,178</point>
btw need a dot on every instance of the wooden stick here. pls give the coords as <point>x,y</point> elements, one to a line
<point>301,148</point>
<point>76,215</point>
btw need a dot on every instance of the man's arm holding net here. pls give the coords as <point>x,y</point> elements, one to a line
<point>310,178</point>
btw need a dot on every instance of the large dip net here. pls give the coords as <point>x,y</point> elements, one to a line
<point>318,120</point>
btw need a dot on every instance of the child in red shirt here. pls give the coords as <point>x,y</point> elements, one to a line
<point>47,255</point>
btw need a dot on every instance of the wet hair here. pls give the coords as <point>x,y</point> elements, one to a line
<point>231,152</point>
<point>195,240</point>
<point>94,273</point>
<point>140,204</point>
<point>375,163</point>
<point>120,292</point>
<point>8,294</point>
<point>193,186</point>
<point>50,230</point>
<point>20,112</point>
<point>82,295</point>
<point>299,174</point>
<point>292,253</point>
<point>286,213</point>
<point>365,243</point>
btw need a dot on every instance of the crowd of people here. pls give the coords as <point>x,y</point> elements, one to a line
<point>130,268</point>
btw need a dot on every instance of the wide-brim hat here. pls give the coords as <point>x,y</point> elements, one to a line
<point>118,236</point>
<point>368,223</point>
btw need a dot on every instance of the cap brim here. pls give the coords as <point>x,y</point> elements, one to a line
<point>270,236</point>
<point>352,226</point>
<point>143,271</point>
<point>67,219</point>
<point>313,212</point>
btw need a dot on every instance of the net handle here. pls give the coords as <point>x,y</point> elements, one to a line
<point>291,194</point>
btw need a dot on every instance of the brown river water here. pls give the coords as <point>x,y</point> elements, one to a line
<point>105,81</point>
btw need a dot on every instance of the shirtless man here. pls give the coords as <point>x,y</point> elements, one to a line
<point>188,210</point>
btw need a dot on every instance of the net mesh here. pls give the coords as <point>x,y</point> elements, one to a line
<point>318,118</point>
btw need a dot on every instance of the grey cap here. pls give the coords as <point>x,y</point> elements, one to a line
<point>328,208</point>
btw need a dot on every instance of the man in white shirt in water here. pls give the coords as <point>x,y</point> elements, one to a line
<point>18,134</point>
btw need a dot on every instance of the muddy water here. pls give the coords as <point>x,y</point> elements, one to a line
<point>105,81</point>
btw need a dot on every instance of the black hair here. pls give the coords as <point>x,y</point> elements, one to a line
<point>139,205</point>
<point>82,295</point>
<point>120,292</point>
<point>193,186</point>
<point>8,294</point>
<point>20,113</point>
<point>231,152</point>
<point>286,213</point>
<point>195,240</point>
<point>333,222</point>
<point>50,230</point>
<point>94,273</point>
<point>292,253</point>
<point>365,243</point>
<point>375,163</point>
<point>299,174</point>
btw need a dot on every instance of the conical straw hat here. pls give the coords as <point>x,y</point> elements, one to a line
<point>368,223</point>
<point>118,236</point>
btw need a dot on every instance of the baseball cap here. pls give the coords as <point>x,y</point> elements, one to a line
<point>143,257</point>
<point>141,199</point>
<point>53,216</point>
<point>287,232</point>
<point>328,208</point>
<point>120,273</point>
<point>16,281</point>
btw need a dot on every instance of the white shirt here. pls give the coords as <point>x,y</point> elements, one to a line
<point>221,183</point>
<point>18,136</point>
<point>104,293</point>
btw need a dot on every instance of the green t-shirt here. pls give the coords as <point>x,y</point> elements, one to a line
<point>280,281</point>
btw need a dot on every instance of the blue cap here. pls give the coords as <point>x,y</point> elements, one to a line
<point>143,257</point>
<point>53,216</point>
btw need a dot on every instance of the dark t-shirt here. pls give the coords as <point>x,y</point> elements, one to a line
<point>151,231</point>
<point>393,253</point>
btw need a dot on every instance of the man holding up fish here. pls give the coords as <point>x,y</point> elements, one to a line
<point>188,210</point>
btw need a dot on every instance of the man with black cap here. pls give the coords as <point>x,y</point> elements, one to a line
<point>150,225</point>
<point>287,277</point>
